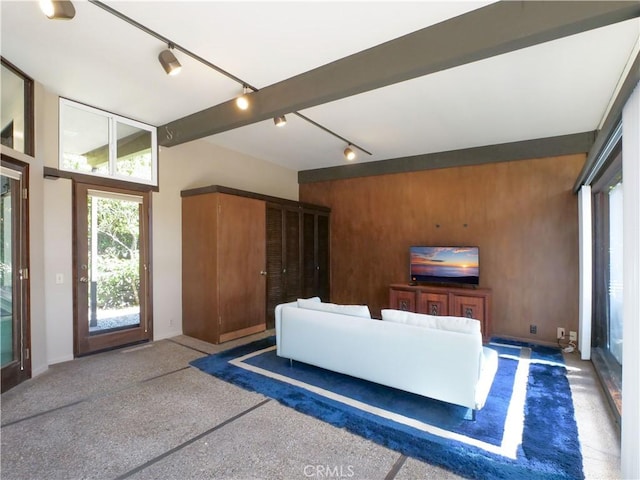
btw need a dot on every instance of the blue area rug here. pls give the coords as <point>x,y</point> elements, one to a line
<point>527,428</point>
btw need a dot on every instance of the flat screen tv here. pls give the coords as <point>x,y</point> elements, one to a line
<point>451,265</point>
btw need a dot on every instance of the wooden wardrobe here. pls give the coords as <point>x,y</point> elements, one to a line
<point>244,253</point>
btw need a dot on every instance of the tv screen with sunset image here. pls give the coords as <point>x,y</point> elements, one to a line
<point>444,265</point>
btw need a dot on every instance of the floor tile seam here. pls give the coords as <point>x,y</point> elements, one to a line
<point>188,346</point>
<point>39,414</point>
<point>192,440</point>
<point>396,467</point>
<point>93,397</point>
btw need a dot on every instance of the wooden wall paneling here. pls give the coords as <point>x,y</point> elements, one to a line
<point>521,214</point>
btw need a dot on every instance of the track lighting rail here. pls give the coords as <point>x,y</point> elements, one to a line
<point>166,41</point>
<point>204,61</point>
<point>332,133</point>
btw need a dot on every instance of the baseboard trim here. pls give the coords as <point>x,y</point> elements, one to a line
<point>39,371</point>
<point>165,335</point>
<point>64,358</point>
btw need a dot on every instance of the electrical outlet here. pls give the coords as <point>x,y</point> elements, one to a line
<point>533,329</point>
<point>573,336</point>
<point>560,334</point>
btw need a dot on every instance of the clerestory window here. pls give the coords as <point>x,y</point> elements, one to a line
<point>103,144</point>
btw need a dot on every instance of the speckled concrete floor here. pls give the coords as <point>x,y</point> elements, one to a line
<point>143,413</point>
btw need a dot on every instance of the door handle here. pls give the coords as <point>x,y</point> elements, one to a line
<point>84,279</point>
<point>263,272</point>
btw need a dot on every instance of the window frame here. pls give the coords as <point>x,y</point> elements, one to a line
<point>112,121</point>
<point>29,108</point>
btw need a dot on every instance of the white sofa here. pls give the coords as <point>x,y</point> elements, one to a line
<point>444,360</point>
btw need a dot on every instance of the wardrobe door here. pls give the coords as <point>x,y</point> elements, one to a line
<point>274,266</point>
<point>309,254</point>
<point>323,257</point>
<point>316,255</point>
<point>241,266</point>
<point>199,267</point>
<point>292,271</point>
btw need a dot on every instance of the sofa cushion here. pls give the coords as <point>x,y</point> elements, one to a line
<point>351,310</point>
<point>454,324</point>
<point>304,301</point>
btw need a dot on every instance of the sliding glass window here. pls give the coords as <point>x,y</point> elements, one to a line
<point>607,334</point>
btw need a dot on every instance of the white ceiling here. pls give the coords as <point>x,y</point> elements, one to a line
<point>555,88</point>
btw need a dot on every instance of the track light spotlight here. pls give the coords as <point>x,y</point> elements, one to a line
<point>280,121</point>
<point>242,102</point>
<point>169,61</point>
<point>58,9</point>
<point>349,154</point>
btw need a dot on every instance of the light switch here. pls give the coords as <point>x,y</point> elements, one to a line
<point>59,278</point>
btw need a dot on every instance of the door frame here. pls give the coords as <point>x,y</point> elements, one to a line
<point>83,343</point>
<point>20,370</point>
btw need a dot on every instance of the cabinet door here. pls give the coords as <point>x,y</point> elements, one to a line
<point>241,266</point>
<point>199,267</point>
<point>470,307</point>
<point>402,300</point>
<point>433,303</point>
<point>274,263</point>
<point>292,258</point>
<point>322,257</point>
<point>315,253</point>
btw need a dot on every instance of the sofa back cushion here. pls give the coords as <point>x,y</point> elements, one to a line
<point>351,310</point>
<point>453,324</point>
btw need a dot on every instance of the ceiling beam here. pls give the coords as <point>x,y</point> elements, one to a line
<point>496,29</point>
<point>503,152</point>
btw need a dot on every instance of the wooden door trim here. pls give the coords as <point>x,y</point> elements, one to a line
<point>17,372</point>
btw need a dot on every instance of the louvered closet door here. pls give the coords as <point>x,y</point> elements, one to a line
<point>309,254</point>
<point>322,257</point>
<point>292,258</point>
<point>275,288</point>
<point>315,253</point>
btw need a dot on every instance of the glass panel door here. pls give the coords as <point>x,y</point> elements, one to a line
<point>14,276</point>
<point>615,272</point>
<point>112,268</point>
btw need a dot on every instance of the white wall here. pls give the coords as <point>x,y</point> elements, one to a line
<point>198,163</point>
<point>630,455</point>
<point>58,225</point>
<point>191,165</point>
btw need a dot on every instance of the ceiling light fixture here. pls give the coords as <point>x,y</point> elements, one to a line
<point>242,102</point>
<point>280,121</point>
<point>169,61</point>
<point>349,154</point>
<point>58,9</point>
